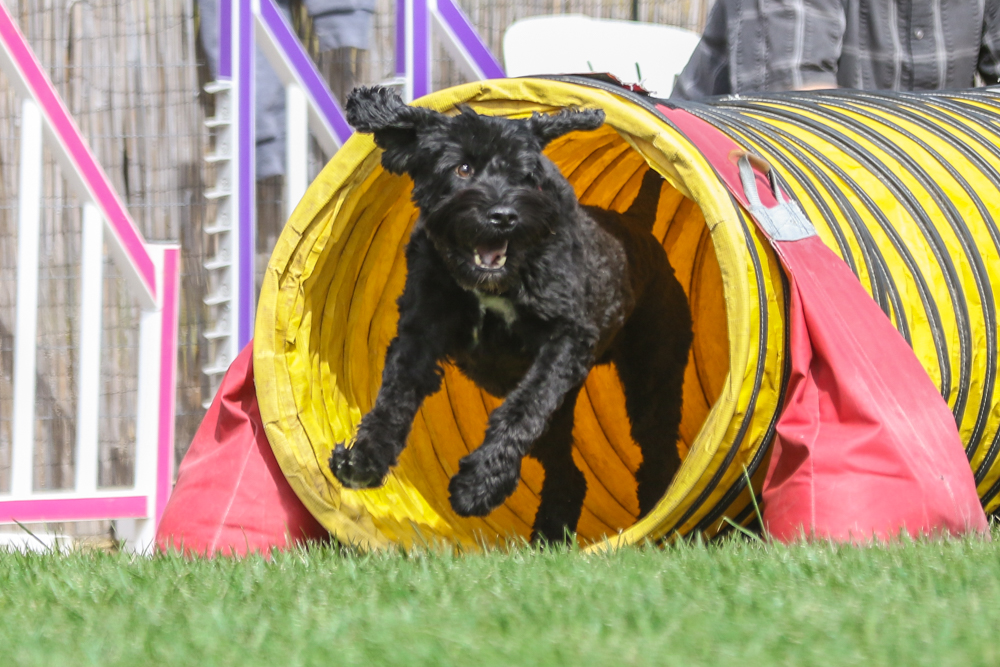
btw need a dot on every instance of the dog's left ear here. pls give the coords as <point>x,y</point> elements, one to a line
<point>393,124</point>
<point>547,128</point>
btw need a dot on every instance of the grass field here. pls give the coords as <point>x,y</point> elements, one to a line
<point>738,602</point>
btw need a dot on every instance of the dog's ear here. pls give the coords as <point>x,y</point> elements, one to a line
<point>547,128</point>
<point>381,111</point>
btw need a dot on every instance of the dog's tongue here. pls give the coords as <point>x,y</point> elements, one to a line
<point>491,255</point>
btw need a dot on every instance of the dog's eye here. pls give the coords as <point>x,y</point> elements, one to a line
<point>464,171</point>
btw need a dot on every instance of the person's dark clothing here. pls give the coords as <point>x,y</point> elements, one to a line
<point>756,45</point>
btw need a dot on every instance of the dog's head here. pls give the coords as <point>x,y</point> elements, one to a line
<point>488,197</point>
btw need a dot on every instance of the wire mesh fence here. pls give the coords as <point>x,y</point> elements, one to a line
<point>58,332</point>
<point>133,74</point>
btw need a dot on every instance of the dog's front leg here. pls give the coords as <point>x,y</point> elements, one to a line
<point>411,374</point>
<point>430,326</point>
<point>487,476</point>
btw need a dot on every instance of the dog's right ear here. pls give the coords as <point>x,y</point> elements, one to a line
<point>381,111</point>
<point>547,127</point>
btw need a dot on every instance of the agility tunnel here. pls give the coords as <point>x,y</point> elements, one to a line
<point>903,187</point>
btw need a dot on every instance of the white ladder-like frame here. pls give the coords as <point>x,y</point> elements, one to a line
<point>310,106</point>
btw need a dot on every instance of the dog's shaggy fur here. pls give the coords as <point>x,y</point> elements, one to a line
<point>524,290</point>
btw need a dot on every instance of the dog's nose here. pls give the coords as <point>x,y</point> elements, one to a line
<point>503,217</point>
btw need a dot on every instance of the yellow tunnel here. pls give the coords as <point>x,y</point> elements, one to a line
<point>905,188</point>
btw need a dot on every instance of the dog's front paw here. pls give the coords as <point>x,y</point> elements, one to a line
<point>357,467</point>
<point>485,479</point>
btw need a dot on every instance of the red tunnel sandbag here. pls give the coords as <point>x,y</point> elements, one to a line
<point>866,446</point>
<point>231,497</point>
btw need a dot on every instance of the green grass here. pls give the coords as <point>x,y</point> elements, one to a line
<point>739,602</point>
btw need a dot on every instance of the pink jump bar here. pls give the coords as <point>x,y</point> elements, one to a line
<point>73,509</point>
<point>68,135</point>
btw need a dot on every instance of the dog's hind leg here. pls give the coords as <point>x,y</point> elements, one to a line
<point>650,358</point>
<point>564,486</point>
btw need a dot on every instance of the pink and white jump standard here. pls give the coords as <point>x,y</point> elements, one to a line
<point>152,272</point>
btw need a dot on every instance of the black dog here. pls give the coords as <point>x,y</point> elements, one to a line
<point>524,290</point>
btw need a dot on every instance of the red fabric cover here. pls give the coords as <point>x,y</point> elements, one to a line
<point>231,497</point>
<point>865,445</point>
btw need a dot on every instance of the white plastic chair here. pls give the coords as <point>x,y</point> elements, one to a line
<point>571,44</point>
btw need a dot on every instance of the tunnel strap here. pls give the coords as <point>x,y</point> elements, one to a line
<point>865,445</point>
<point>785,221</point>
<point>754,185</point>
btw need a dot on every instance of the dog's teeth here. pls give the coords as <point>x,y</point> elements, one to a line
<point>502,261</point>
<point>479,260</point>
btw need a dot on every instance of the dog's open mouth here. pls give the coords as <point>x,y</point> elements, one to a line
<point>490,256</point>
